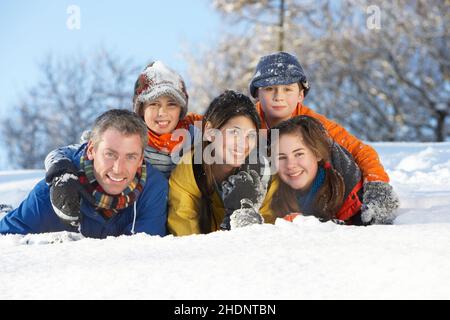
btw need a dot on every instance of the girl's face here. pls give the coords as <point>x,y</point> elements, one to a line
<point>279,101</point>
<point>296,163</point>
<point>162,115</point>
<point>238,138</point>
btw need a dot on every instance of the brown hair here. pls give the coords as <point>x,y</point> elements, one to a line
<point>330,195</point>
<point>226,106</point>
<point>124,121</point>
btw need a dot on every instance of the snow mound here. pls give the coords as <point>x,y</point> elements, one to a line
<point>305,259</point>
<point>301,260</point>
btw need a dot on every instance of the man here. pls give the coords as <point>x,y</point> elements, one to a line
<point>119,193</point>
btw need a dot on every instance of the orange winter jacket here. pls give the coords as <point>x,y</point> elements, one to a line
<point>365,156</point>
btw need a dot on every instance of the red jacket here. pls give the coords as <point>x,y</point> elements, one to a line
<point>350,208</point>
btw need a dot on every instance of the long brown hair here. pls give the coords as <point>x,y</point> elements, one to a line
<point>330,195</point>
<point>226,106</point>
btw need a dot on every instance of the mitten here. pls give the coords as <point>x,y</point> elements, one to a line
<point>380,203</point>
<point>65,198</point>
<point>58,168</point>
<point>245,216</point>
<point>66,191</point>
<point>243,185</point>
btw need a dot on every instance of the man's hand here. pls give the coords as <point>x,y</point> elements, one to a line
<point>65,198</point>
<point>66,191</point>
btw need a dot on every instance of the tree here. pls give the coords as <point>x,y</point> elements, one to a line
<point>388,82</point>
<point>73,91</point>
<point>391,83</point>
<point>269,12</point>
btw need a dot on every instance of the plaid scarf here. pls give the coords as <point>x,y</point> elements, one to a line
<point>110,205</point>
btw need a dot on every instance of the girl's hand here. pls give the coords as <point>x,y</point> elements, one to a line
<point>380,203</point>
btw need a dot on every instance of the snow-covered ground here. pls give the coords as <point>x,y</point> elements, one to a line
<point>301,260</point>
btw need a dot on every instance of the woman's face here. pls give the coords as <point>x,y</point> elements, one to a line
<point>162,115</point>
<point>296,163</point>
<point>237,139</point>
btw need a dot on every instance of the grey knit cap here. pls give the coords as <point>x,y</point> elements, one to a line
<point>279,68</point>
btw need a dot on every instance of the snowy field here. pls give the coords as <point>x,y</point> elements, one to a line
<point>301,260</point>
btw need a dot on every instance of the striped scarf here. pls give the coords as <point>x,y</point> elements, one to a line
<point>109,205</point>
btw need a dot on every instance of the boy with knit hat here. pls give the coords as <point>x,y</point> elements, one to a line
<point>280,85</point>
<point>160,98</point>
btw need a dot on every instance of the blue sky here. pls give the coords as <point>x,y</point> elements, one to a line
<point>137,29</point>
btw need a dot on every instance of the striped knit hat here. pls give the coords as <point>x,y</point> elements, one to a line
<point>155,81</point>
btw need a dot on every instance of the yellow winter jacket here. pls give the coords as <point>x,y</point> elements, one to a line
<point>185,197</point>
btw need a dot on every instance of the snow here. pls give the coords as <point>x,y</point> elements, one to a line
<point>15,185</point>
<point>305,259</point>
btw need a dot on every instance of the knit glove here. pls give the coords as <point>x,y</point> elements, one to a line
<point>245,216</point>
<point>66,191</point>
<point>242,186</point>
<point>380,203</point>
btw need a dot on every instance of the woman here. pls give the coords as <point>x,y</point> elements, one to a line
<point>197,201</point>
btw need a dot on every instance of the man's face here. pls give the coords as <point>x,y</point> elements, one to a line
<point>116,159</point>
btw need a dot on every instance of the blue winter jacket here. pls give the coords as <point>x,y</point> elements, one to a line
<point>35,214</point>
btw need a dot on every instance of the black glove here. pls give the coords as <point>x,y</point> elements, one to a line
<point>380,203</point>
<point>243,185</point>
<point>66,191</point>
<point>59,168</point>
